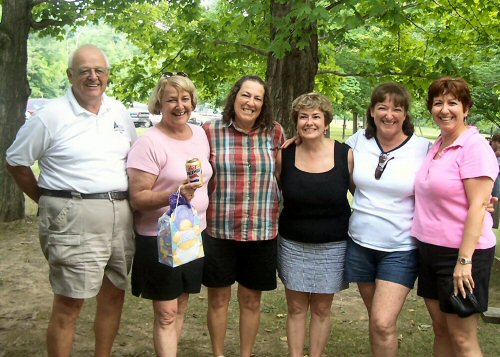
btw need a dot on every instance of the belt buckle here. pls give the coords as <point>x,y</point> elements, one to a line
<point>110,196</point>
<point>76,195</point>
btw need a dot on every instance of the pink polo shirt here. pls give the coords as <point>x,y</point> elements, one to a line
<point>440,200</point>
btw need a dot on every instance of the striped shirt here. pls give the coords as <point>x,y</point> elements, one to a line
<point>244,202</point>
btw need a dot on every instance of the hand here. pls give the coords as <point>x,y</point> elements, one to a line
<point>462,279</point>
<point>187,189</point>
<point>296,139</point>
<point>491,206</point>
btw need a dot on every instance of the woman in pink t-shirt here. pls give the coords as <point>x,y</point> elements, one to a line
<point>456,242</point>
<point>156,169</point>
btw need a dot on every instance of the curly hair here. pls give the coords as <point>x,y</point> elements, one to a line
<point>265,118</point>
<point>178,82</point>
<point>400,96</point>
<point>312,101</point>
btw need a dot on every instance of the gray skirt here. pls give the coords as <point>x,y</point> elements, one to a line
<point>312,267</point>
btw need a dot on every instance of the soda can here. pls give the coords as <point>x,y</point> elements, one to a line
<point>193,170</point>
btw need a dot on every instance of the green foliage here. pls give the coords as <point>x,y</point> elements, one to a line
<point>48,58</point>
<point>361,43</point>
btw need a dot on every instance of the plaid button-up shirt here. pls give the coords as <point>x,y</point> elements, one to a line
<point>244,201</point>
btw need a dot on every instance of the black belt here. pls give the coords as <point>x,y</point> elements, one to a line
<point>113,195</point>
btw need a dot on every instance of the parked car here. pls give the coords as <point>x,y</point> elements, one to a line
<point>33,105</point>
<point>199,117</point>
<point>195,121</point>
<point>140,115</point>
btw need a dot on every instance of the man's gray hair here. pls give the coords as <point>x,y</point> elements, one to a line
<point>72,57</point>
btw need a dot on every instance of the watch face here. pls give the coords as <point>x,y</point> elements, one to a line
<point>464,261</point>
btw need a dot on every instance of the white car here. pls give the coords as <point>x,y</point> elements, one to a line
<point>140,115</point>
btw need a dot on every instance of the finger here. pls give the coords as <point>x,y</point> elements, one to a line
<point>461,288</point>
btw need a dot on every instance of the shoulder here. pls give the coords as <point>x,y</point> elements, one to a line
<point>278,126</point>
<point>213,126</point>
<point>353,140</point>
<point>421,143</point>
<point>114,103</point>
<point>198,132</point>
<point>343,147</point>
<point>51,113</point>
<point>146,140</point>
<point>55,106</point>
<point>278,132</point>
<point>476,138</point>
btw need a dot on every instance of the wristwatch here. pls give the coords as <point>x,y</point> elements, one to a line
<point>464,261</point>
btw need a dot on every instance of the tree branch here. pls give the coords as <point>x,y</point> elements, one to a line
<point>42,24</point>
<point>364,74</point>
<point>333,5</point>
<point>414,23</point>
<point>37,2</point>
<point>247,47</point>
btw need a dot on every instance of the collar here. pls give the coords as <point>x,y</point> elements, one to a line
<point>460,141</point>
<point>79,110</point>
<point>233,125</point>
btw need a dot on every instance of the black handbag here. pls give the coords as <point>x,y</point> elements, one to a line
<point>464,307</point>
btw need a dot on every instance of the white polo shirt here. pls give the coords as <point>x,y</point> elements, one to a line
<point>76,150</point>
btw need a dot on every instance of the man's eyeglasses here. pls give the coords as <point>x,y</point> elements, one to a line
<point>383,159</point>
<point>86,71</point>
<point>171,74</point>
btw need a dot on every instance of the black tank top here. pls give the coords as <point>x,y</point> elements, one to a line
<point>315,206</point>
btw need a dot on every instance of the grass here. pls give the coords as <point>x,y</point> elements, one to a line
<point>22,330</point>
<point>26,298</point>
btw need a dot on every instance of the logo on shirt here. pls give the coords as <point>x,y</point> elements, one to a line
<point>118,128</point>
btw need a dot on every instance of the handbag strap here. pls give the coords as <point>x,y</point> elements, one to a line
<point>178,194</point>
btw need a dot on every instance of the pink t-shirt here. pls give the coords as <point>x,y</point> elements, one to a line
<point>160,155</point>
<point>440,200</point>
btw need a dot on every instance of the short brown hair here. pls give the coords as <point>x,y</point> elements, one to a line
<point>312,101</point>
<point>457,87</point>
<point>400,96</point>
<point>179,83</point>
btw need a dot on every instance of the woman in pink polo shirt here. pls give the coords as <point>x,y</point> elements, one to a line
<point>456,243</point>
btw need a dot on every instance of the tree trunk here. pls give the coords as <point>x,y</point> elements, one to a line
<point>14,93</point>
<point>292,75</point>
<point>354,122</point>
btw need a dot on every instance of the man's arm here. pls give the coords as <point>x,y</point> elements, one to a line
<point>25,179</point>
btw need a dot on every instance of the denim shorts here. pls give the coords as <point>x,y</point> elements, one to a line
<point>365,265</point>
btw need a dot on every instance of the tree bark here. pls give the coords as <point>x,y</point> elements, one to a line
<point>292,75</point>
<point>354,122</point>
<point>14,93</point>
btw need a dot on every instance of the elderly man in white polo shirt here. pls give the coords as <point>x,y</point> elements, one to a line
<point>81,143</point>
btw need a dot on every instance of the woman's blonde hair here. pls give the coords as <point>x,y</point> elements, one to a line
<point>180,83</point>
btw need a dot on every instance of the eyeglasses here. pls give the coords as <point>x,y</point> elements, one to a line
<point>383,159</point>
<point>86,71</point>
<point>171,74</point>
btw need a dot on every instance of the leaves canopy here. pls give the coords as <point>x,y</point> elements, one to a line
<point>361,43</point>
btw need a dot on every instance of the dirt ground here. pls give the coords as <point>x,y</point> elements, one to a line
<point>25,302</point>
<point>26,297</point>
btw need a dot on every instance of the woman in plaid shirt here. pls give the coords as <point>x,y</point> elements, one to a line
<point>240,239</point>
